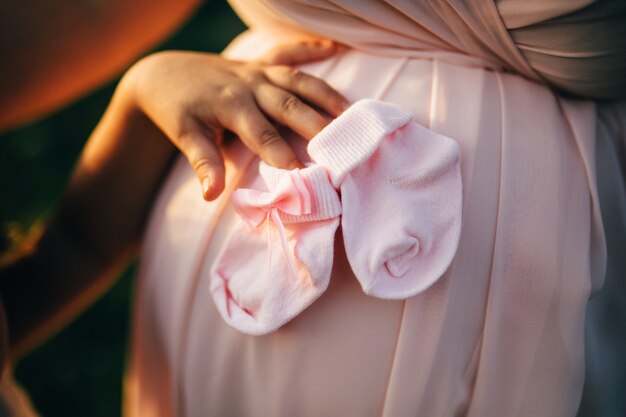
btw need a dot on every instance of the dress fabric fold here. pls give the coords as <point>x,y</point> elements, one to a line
<point>501,333</point>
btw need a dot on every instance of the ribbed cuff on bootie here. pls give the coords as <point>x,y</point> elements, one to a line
<point>355,135</point>
<point>401,196</point>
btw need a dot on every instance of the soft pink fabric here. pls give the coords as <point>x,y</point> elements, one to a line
<point>278,258</point>
<point>400,189</point>
<point>500,334</point>
<point>386,167</point>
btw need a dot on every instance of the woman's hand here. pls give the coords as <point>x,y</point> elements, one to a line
<point>194,97</point>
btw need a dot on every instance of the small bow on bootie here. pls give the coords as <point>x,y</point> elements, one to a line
<point>291,197</point>
<point>263,278</point>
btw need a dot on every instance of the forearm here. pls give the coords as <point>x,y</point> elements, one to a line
<point>193,98</point>
<point>95,231</point>
<point>46,289</point>
<point>52,52</point>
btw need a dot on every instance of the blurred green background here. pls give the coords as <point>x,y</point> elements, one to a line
<point>79,371</point>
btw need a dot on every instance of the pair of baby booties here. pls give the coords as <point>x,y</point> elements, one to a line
<point>394,185</point>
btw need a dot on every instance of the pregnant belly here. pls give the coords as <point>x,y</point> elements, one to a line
<point>501,331</point>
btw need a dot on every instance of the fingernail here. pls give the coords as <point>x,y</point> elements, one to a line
<point>205,187</point>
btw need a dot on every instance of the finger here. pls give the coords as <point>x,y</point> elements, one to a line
<point>301,52</point>
<point>259,135</point>
<point>205,159</point>
<point>312,89</point>
<point>289,110</point>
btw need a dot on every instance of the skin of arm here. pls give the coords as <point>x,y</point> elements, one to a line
<point>166,101</point>
<point>41,39</point>
<point>96,230</point>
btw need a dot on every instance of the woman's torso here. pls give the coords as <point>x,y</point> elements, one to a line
<point>500,334</point>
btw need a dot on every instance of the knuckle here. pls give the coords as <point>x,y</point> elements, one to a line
<point>269,138</point>
<point>252,75</point>
<point>295,74</point>
<point>185,139</point>
<point>203,163</point>
<point>231,95</point>
<point>290,103</point>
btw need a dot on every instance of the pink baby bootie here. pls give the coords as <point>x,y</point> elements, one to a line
<point>278,258</point>
<point>401,196</point>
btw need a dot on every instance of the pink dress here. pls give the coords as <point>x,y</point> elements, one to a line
<point>502,332</point>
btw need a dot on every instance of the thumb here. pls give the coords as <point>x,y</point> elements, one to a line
<point>300,52</point>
